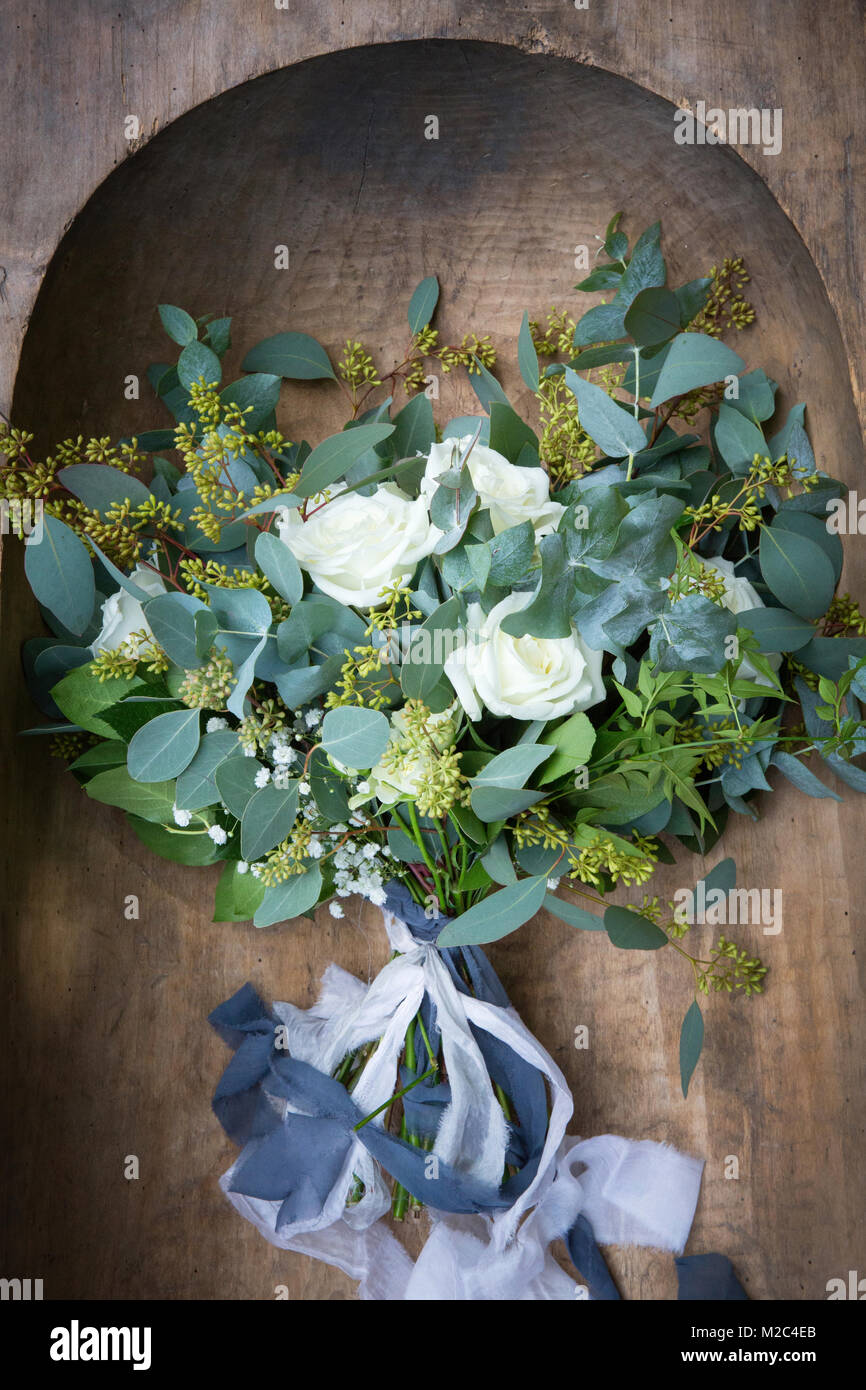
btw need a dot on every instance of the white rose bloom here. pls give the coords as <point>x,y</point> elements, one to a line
<point>739,596</point>
<point>522,677</point>
<point>390,784</point>
<point>353,547</point>
<point>511,494</point>
<point>122,614</point>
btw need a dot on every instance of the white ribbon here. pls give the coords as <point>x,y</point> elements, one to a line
<point>632,1193</point>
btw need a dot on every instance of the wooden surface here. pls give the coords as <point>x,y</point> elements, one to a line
<point>105,1047</point>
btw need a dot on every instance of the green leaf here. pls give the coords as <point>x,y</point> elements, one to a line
<point>572,914</point>
<point>236,782</point>
<point>414,430</point>
<point>513,768</point>
<point>82,697</point>
<point>691,1043</point>
<point>165,746</point>
<point>267,819</point>
<point>573,741</point>
<point>815,530</point>
<point>496,916</point>
<point>237,896</point>
<point>424,299</point>
<point>485,385</point>
<point>614,431</point>
<point>178,324</point>
<point>723,875</point>
<point>797,571</point>
<point>497,863</point>
<point>756,397</point>
<point>128,716</point>
<point>219,335</point>
<point>653,317</point>
<point>328,788</point>
<point>195,850</point>
<point>172,619</point>
<point>527,357</point>
<point>261,391</point>
<point>355,737</point>
<point>604,277</point>
<point>99,486</point>
<point>631,932</point>
<point>110,753</point>
<point>738,439</point>
<point>436,635</point>
<point>279,567</point>
<point>60,574</point>
<point>694,359</point>
<point>802,778</point>
<point>491,803</point>
<point>511,553</point>
<point>601,357</point>
<point>645,270</point>
<point>548,612</point>
<point>692,298</point>
<point>196,787</point>
<point>152,801</point>
<point>283,901</point>
<point>508,433</point>
<point>602,324</point>
<point>198,360</point>
<point>330,459</point>
<point>690,635</point>
<point>293,355</point>
<point>776,629</point>
<point>829,656</point>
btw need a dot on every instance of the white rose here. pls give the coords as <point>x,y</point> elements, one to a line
<point>390,783</point>
<point>122,614</point>
<point>353,547</point>
<point>511,494</point>
<point>522,677</point>
<point>739,596</point>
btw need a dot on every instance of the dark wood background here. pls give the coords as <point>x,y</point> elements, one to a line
<point>105,1047</point>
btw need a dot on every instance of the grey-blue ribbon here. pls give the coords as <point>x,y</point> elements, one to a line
<point>295,1156</point>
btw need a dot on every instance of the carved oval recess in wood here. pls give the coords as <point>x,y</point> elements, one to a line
<point>330,159</point>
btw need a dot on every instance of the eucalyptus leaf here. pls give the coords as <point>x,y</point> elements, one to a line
<point>178,324</point>
<point>267,818</point>
<point>631,932</point>
<point>330,460</point>
<point>691,1043</point>
<point>527,357</point>
<point>283,901</point>
<point>164,746</point>
<point>495,916</point>
<point>279,567</point>
<point>151,801</point>
<point>293,355</point>
<point>693,360</point>
<point>423,303</point>
<point>614,431</point>
<point>355,737</point>
<point>60,574</point>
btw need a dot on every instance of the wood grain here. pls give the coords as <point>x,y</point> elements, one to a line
<point>105,1047</point>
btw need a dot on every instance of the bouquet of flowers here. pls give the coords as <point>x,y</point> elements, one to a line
<point>454,669</point>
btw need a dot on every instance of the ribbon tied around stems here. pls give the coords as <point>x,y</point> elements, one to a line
<point>499,1180</point>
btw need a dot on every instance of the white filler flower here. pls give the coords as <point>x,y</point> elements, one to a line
<point>353,547</point>
<point>522,677</point>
